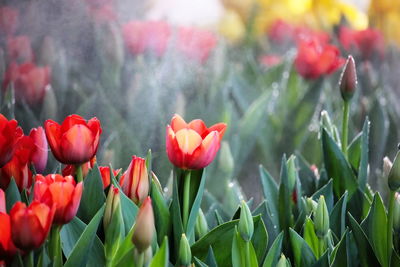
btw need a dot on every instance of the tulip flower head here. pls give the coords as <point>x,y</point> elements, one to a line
<point>30,225</point>
<point>144,227</point>
<point>10,133</point>
<point>54,189</point>
<point>75,141</point>
<point>106,175</point>
<point>135,181</point>
<point>192,145</point>
<point>7,248</point>
<point>40,151</point>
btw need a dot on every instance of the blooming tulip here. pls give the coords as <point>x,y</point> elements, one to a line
<point>135,181</point>
<point>61,191</point>
<point>7,248</point>
<point>18,167</point>
<point>10,133</point>
<point>143,229</point>
<point>315,59</point>
<point>193,145</point>
<point>40,151</point>
<point>105,175</point>
<point>30,225</point>
<point>75,141</point>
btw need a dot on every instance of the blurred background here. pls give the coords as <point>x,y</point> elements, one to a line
<point>266,68</point>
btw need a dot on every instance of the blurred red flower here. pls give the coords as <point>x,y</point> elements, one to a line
<point>8,20</point>
<point>367,43</point>
<point>10,133</point>
<point>146,36</point>
<point>135,181</point>
<point>30,82</point>
<point>40,151</point>
<point>30,225</point>
<point>63,192</point>
<point>19,49</point>
<point>192,145</point>
<point>75,141</point>
<point>315,59</point>
<point>270,60</point>
<point>195,43</point>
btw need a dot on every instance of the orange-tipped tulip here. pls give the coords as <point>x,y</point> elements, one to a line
<point>192,145</point>
<point>30,225</point>
<point>75,141</point>
<point>40,152</point>
<point>61,191</point>
<point>135,181</point>
<point>7,248</point>
<point>143,230</point>
<point>105,175</point>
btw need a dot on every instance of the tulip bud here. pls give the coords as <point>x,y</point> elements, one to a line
<point>144,227</point>
<point>348,79</point>
<point>292,173</point>
<point>201,227</point>
<point>106,175</point>
<point>310,205</point>
<point>321,218</point>
<point>394,174</point>
<point>396,213</point>
<point>225,159</point>
<point>135,181</point>
<point>387,165</point>
<point>113,206</point>
<point>246,224</point>
<point>185,254</point>
<point>283,262</point>
<point>40,151</point>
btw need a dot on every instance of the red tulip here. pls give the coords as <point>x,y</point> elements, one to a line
<point>368,42</point>
<point>7,248</point>
<point>86,167</point>
<point>75,141</point>
<point>135,181</point>
<point>315,59</point>
<point>63,192</point>
<point>40,152</point>
<point>8,20</point>
<point>143,230</point>
<point>30,82</point>
<point>19,49</point>
<point>105,175</point>
<point>195,43</point>
<point>10,133</point>
<point>18,167</point>
<point>193,145</point>
<point>30,225</point>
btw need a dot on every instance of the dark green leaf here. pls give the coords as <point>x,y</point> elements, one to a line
<point>303,254</point>
<point>12,194</point>
<point>161,213</point>
<point>337,218</point>
<point>270,190</point>
<point>274,252</point>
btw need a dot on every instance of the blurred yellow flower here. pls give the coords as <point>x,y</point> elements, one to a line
<point>232,26</point>
<point>385,16</point>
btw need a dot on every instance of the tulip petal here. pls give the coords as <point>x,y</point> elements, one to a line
<point>70,121</point>
<point>178,123</point>
<point>188,140</point>
<point>220,128</point>
<point>76,144</point>
<point>199,126</point>
<point>174,153</point>
<point>206,152</point>
<point>53,134</point>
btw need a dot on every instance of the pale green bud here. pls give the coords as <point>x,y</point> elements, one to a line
<point>246,224</point>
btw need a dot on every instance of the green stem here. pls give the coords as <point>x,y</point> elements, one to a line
<point>186,195</point>
<point>55,246</point>
<point>390,224</point>
<point>247,254</point>
<point>79,174</point>
<point>139,259</point>
<point>345,127</point>
<point>28,259</point>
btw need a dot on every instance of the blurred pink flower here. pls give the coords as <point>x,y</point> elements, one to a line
<point>195,43</point>
<point>270,60</point>
<point>19,49</point>
<point>8,20</point>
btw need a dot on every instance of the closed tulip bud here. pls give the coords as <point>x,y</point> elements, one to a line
<point>201,227</point>
<point>75,141</point>
<point>40,151</point>
<point>30,225</point>
<point>192,145</point>
<point>283,262</point>
<point>113,206</point>
<point>106,175</point>
<point>246,224</point>
<point>143,231</point>
<point>387,166</point>
<point>321,218</point>
<point>291,170</point>
<point>348,79</point>
<point>63,192</point>
<point>394,174</point>
<point>396,213</point>
<point>226,162</point>
<point>185,254</point>
<point>310,205</point>
<point>135,181</point>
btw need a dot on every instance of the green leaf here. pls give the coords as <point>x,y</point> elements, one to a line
<point>175,212</point>
<point>359,205</point>
<point>161,257</point>
<point>196,204</point>
<point>210,260</point>
<point>93,196</point>
<point>363,170</point>
<point>273,253</point>
<point>271,229</point>
<point>366,254</point>
<point>338,216</point>
<point>270,190</point>
<point>337,167</point>
<point>161,213</point>
<point>124,248</point>
<point>12,194</point>
<point>303,254</point>
<point>199,263</point>
<point>306,176</point>
<point>339,254</point>
<point>79,255</point>
<point>242,252</point>
<point>375,228</point>
<point>354,152</point>
<point>327,192</point>
<point>260,238</point>
<point>310,237</point>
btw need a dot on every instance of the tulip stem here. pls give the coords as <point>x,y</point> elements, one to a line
<point>28,259</point>
<point>79,175</point>
<point>345,127</point>
<point>390,224</point>
<point>55,246</point>
<point>186,194</point>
